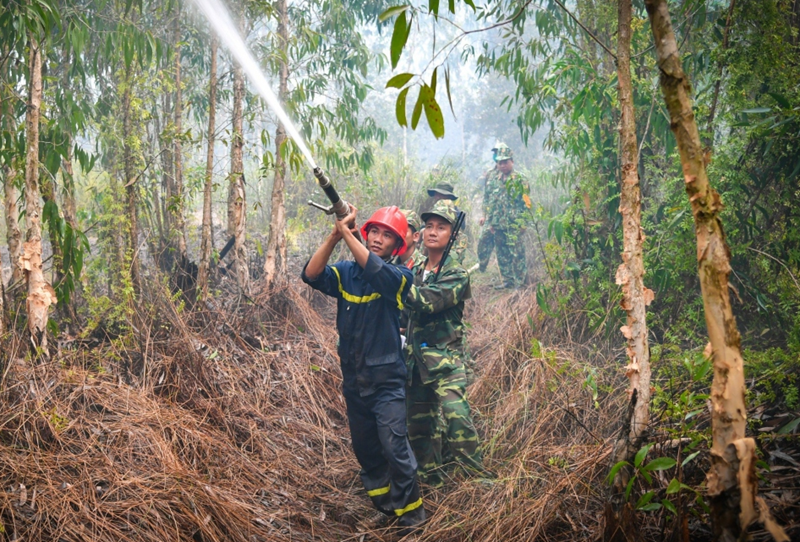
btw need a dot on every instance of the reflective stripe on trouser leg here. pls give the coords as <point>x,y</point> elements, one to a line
<point>367,447</point>
<point>380,441</point>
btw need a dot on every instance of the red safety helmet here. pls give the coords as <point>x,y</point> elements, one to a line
<point>392,219</point>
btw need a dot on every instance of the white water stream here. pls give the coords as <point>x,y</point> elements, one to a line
<point>221,22</point>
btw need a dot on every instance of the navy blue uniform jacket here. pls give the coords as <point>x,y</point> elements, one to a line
<point>367,317</point>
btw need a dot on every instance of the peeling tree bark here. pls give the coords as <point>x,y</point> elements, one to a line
<point>731,480</point>
<point>180,219</point>
<point>2,308</point>
<point>275,260</point>
<point>13,234</point>
<point>635,296</point>
<point>40,294</point>
<point>237,205</point>
<point>10,197</point>
<point>205,242</point>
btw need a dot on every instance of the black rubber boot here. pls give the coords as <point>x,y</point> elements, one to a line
<point>412,521</point>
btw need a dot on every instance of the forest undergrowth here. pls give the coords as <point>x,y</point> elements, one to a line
<point>227,424</point>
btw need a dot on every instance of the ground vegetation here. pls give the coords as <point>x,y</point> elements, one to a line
<point>165,376</point>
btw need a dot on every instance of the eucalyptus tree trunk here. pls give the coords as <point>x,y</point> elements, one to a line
<point>10,196</point>
<point>48,192</point>
<point>205,241</point>
<point>635,297</point>
<point>718,83</point>
<point>275,261</point>
<point>2,308</point>
<point>731,481</point>
<point>130,183</point>
<point>40,293</point>
<point>13,234</point>
<point>237,206</point>
<point>71,218</point>
<point>180,219</point>
<point>167,167</point>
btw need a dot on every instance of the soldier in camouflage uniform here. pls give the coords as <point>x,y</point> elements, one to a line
<point>412,238</point>
<point>506,206</point>
<point>435,355</point>
<point>444,191</point>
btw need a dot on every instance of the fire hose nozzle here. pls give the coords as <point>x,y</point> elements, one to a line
<point>321,177</point>
<point>339,207</point>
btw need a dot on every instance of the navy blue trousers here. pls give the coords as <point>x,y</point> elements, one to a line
<point>380,442</point>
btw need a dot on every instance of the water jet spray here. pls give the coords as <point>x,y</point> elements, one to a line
<point>221,22</point>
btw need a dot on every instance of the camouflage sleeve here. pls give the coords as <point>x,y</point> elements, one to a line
<point>448,291</point>
<point>486,189</point>
<point>522,203</point>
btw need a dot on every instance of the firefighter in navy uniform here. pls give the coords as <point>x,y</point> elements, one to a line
<point>370,292</point>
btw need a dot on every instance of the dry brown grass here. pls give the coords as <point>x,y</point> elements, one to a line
<point>542,435</point>
<point>228,425</point>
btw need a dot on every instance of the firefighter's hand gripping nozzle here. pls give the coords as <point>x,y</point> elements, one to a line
<point>338,206</point>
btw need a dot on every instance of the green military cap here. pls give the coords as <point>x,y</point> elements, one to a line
<point>445,189</point>
<point>413,219</point>
<point>444,209</point>
<point>502,152</point>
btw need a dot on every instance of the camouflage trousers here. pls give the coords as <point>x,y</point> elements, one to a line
<point>429,432</point>
<point>510,253</point>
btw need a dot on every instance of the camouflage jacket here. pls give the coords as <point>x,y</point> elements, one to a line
<point>506,202</point>
<point>436,340</point>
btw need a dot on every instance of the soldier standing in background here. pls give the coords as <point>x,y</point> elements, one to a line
<point>436,355</point>
<point>412,238</point>
<point>506,205</point>
<point>444,191</point>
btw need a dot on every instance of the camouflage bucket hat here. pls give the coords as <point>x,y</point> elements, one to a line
<point>502,152</point>
<point>445,189</point>
<point>413,219</point>
<point>444,209</point>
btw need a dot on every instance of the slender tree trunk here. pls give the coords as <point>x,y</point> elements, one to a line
<point>2,307</point>
<point>275,261</point>
<point>166,165</point>
<point>40,293</point>
<point>71,218</point>
<point>10,197</point>
<point>709,143</point>
<point>48,192</point>
<point>635,297</point>
<point>205,242</point>
<point>130,183</point>
<point>180,220</point>
<point>237,204</point>
<point>13,234</point>
<point>731,481</point>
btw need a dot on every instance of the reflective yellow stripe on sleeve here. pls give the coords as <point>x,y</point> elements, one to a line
<point>413,506</point>
<point>355,298</point>
<point>378,492</point>
<point>400,294</point>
